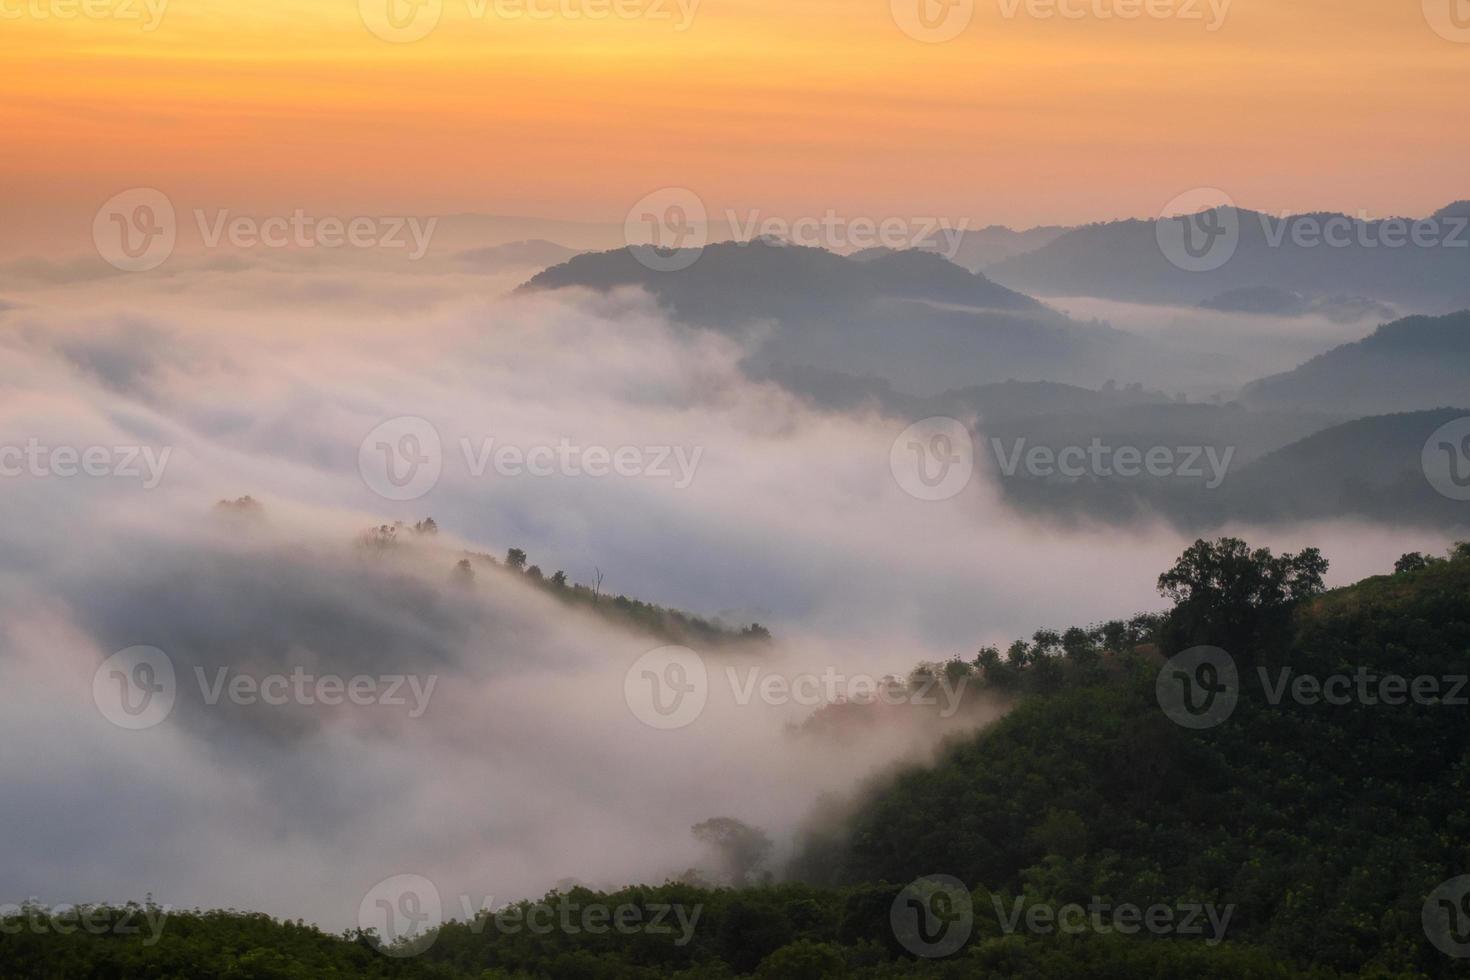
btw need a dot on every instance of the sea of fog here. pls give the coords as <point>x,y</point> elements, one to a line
<point>268,378</point>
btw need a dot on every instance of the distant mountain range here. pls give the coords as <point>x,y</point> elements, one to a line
<point>1367,469</point>
<point>1307,456</point>
<point>1329,264</point>
<point>909,335</point>
<point>1339,436</point>
<point>1314,255</point>
<point>534,253</point>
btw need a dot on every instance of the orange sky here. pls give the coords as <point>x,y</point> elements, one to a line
<point>790,106</point>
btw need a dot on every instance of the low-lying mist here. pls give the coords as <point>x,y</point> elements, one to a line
<point>523,765</point>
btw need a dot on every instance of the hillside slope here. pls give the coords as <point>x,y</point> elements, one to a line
<point>913,319</point>
<point>1415,363</point>
<point>1325,826</point>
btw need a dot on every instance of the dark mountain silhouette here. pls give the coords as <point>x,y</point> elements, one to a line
<point>1414,363</point>
<point>912,318</point>
<point>1369,467</point>
<point>1377,259</point>
<point>733,281</point>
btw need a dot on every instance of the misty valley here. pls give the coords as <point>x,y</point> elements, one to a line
<point>817,751</point>
<point>620,490</point>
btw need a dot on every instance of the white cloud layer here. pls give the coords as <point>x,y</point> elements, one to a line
<point>528,766</point>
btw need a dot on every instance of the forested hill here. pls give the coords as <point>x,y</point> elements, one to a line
<point>1315,804</point>
<point>1326,825</point>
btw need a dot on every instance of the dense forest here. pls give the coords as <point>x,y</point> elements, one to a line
<point>1314,823</point>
